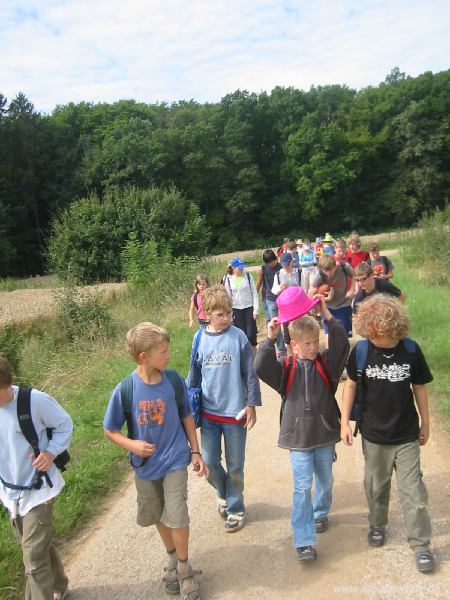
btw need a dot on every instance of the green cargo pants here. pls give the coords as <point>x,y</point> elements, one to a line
<point>43,567</point>
<point>380,460</point>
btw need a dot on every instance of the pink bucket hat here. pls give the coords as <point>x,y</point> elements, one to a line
<point>294,303</point>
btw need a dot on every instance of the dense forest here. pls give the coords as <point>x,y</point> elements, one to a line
<point>233,174</point>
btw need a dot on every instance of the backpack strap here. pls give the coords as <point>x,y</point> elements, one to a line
<point>126,397</point>
<point>385,263</point>
<point>409,344</point>
<point>322,369</point>
<point>196,300</point>
<point>289,372</point>
<point>178,387</point>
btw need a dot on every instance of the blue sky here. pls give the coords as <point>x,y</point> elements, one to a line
<point>60,51</point>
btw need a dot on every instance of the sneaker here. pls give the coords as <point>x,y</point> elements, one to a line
<point>424,560</point>
<point>321,524</point>
<point>222,508</point>
<point>376,536</point>
<point>235,521</point>
<point>306,553</point>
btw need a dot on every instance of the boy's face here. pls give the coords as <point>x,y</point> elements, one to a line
<point>156,358</point>
<point>330,272</point>
<point>366,282</point>
<point>6,395</point>
<point>307,346</point>
<point>383,341</point>
<point>219,319</point>
<point>340,251</point>
<point>355,247</point>
<point>374,254</point>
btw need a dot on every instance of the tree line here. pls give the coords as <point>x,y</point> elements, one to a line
<point>219,176</point>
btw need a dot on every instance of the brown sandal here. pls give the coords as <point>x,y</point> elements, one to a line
<point>189,588</point>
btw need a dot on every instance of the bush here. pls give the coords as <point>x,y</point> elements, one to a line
<point>429,252</point>
<point>88,238</point>
<point>82,315</point>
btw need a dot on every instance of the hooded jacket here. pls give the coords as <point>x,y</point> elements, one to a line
<point>311,416</point>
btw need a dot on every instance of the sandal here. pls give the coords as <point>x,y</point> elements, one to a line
<point>376,536</point>
<point>170,580</point>
<point>424,560</point>
<point>189,588</point>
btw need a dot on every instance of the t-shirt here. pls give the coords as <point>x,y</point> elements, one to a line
<point>307,259</point>
<point>267,282</point>
<point>357,257</point>
<point>338,281</point>
<point>383,286</point>
<point>380,265</point>
<point>155,420</point>
<point>388,411</point>
<point>197,299</point>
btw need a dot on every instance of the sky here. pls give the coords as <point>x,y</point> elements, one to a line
<point>61,51</point>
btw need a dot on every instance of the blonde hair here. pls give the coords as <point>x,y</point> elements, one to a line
<point>215,298</point>
<point>380,315</point>
<point>303,326</point>
<point>144,337</point>
<point>354,239</point>
<point>326,262</point>
<point>5,373</point>
<point>340,243</point>
<point>201,278</point>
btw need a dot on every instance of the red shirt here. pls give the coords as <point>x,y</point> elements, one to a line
<point>358,257</point>
<point>344,260</point>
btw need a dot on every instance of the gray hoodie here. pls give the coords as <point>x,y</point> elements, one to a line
<point>311,415</point>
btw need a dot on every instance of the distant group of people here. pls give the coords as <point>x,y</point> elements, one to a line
<point>387,377</point>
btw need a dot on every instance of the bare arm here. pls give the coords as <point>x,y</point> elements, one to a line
<point>191,433</point>
<point>348,398</point>
<point>191,314</point>
<point>259,279</point>
<point>421,397</point>
<point>138,447</point>
<point>402,298</point>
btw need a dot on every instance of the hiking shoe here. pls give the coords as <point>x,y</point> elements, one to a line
<point>306,553</point>
<point>170,580</point>
<point>376,536</point>
<point>321,524</point>
<point>188,586</point>
<point>235,521</point>
<point>424,560</point>
<point>222,508</point>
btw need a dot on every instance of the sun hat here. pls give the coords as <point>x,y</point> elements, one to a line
<point>286,258</point>
<point>237,263</point>
<point>327,238</point>
<point>294,303</point>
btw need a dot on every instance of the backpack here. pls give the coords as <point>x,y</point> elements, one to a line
<point>126,397</point>
<point>29,432</point>
<point>348,277</point>
<point>289,372</point>
<point>195,393</point>
<point>362,349</point>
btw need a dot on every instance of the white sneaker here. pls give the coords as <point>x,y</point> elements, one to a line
<point>222,508</point>
<point>235,521</point>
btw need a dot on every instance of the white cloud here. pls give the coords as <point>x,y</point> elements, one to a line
<point>59,51</point>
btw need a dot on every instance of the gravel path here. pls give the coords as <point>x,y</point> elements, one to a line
<point>117,560</point>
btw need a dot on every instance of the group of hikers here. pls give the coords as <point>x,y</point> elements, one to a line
<point>334,284</point>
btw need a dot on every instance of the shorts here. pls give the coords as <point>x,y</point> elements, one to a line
<point>163,500</point>
<point>344,316</point>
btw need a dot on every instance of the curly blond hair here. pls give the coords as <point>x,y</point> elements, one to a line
<point>380,315</point>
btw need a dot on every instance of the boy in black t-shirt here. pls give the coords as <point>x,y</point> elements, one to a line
<point>368,285</point>
<point>390,430</point>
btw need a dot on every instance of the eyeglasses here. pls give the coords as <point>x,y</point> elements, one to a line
<point>223,315</point>
<point>361,279</point>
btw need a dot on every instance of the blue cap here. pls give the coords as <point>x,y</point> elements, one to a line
<point>237,263</point>
<point>286,258</point>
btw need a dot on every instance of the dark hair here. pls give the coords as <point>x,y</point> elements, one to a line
<point>269,256</point>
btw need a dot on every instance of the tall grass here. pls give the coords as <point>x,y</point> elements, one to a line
<point>9,284</point>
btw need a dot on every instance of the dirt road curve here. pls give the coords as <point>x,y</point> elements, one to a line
<point>117,560</point>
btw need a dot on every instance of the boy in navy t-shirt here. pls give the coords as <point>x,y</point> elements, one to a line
<point>162,445</point>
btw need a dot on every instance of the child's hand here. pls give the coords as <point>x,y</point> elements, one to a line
<point>254,316</point>
<point>273,327</point>
<point>424,434</point>
<point>283,286</point>
<point>142,449</point>
<point>191,323</point>
<point>44,461</point>
<point>199,465</point>
<point>250,411</point>
<point>322,307</point>
<point>346,435</point>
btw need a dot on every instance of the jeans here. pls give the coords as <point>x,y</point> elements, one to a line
<point>305,464</point>
<point>229,483</point>
<point>271,311</point>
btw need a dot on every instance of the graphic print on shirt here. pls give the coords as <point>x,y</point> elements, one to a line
<point>151,411</point>
<point>393,373</point>
<point>217,359</point>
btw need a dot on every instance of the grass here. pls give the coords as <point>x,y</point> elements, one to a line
<point>9,284</point>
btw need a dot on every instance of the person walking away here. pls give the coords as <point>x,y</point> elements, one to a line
<point>391,385</point>
<point>223,366</point>
<point>30,480</point>
<point>266,275</point>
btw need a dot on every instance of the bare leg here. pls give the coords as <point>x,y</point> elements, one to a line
<point>175,539</point>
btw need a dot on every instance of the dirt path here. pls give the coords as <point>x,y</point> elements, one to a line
<point>117,560</point>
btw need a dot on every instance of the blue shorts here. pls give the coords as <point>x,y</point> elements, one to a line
<point>344,316</point>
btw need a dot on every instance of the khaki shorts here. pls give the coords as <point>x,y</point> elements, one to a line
<point>163,501</point>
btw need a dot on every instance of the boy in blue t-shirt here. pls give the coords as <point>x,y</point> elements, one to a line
<point>230,388</point>
<point>161,447</point>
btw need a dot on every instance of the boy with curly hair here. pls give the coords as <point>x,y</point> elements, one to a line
<point>392,381</point>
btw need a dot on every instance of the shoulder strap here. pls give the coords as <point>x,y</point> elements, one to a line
<point>289,372</point>
<point>248,278</point>
<point>196,300</point>
<point>322,369</point>
<point>386,265</point>
<point>409,344</point>
<point>362,348</point>
<point>25,420</point>
<point>126,396</point>
<point>178,387</point>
